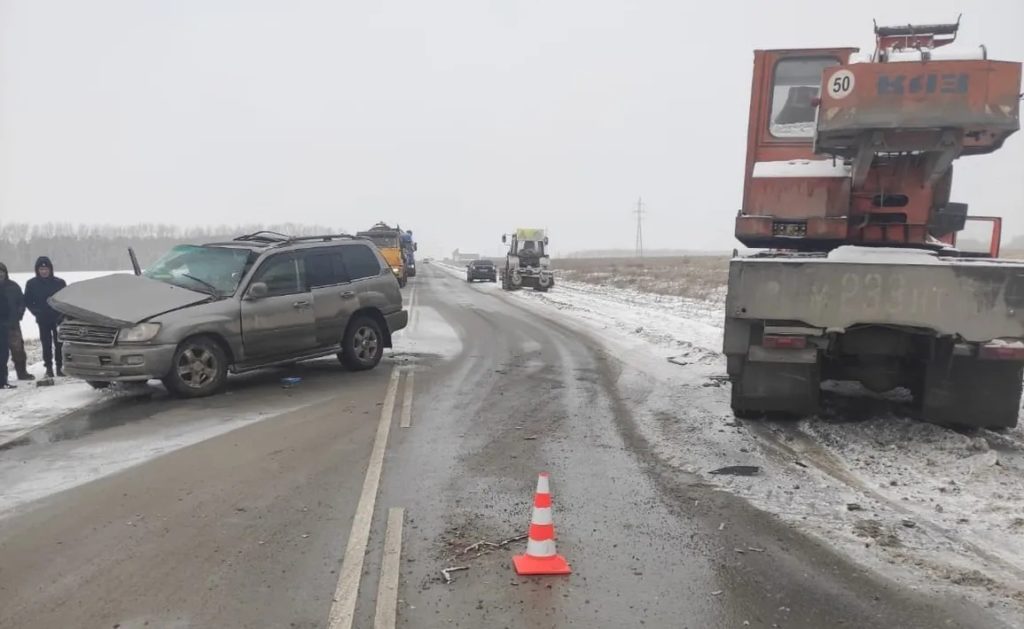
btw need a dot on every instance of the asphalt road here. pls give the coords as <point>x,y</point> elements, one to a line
<point>342,501</point>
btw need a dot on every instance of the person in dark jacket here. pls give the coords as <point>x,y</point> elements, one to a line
<point>15,343</point>
<point>37,290</point>
<point>5,318</point>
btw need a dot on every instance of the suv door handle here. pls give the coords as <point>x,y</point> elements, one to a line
<point>348,294</point>
<point>300,304</point>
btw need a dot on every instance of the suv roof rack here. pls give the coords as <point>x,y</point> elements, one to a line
<point>276,239</point>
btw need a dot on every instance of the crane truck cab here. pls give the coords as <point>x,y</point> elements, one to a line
<point>527,263</point>
<point>389,242</point>
<point>847,191</point>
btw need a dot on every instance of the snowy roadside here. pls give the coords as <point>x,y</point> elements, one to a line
<point>29,406</point>
<point>927,506</point>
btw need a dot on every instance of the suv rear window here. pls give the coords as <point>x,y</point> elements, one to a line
<point>324,267</point>
<point>360,261</point>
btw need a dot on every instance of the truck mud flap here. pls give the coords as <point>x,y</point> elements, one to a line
<point>788,388</point>
<point>971,392</point>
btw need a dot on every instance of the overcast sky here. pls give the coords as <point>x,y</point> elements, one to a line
<point>458,119</point>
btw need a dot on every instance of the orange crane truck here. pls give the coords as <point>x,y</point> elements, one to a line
<point>847,196</point>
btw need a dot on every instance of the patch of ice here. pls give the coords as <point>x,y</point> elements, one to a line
<point>428,334</point>
<point>34,471</point>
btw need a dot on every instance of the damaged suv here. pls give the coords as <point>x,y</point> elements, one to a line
<point>261,300</point>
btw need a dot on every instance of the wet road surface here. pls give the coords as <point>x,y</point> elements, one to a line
<point>280,523</point>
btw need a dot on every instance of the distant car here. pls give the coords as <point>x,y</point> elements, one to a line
<point>258,301</point>
<point>481,270</point>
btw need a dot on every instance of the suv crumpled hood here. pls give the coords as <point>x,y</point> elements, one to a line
<point>122,300</point>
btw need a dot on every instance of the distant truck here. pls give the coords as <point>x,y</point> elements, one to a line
<point>527,263</point>
<point>389,241</point>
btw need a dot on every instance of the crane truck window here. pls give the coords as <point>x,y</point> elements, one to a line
<point>796,84</point>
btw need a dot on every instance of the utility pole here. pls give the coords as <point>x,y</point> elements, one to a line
<point>639,211</point>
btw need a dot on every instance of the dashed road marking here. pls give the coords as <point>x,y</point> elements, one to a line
<point>407,400</point>
<point>390,567</point>
<point>343,608</point>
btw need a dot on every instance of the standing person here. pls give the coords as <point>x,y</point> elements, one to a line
<point>37,290</point>
<point>15,343</point>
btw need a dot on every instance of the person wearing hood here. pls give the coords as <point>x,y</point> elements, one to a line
<point>10,290</point>
<point>37,291</point>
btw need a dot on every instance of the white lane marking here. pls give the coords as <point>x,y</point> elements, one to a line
<point>407,400</point>
<point>387,589</point>
<point>343,608</point>
<point>414,308</point>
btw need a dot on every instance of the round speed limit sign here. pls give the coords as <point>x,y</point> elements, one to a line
<point>840,85</point>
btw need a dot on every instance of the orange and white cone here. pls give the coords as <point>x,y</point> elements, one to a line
<point>541,557</point>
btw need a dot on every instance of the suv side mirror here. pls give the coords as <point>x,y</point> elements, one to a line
<point>257,290</point>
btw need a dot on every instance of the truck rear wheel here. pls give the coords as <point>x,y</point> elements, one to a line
<point>971,392</point>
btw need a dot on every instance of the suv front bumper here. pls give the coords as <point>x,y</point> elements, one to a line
<point>118,363</point>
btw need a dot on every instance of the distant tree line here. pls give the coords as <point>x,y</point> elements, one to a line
<point>105,247</point>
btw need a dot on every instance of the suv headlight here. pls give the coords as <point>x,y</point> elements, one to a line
<point>138,334</point>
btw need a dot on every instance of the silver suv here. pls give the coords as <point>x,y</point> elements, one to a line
<point>260,300</point>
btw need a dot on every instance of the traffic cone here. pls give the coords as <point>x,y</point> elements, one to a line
<point>540,557</point>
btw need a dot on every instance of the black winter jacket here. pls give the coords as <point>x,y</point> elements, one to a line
<point>15,300</point>
<point>38,290</point>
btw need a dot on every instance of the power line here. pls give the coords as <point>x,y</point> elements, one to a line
<point>639,211</point>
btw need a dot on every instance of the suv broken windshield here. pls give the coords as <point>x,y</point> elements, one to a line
<point>216,270</point>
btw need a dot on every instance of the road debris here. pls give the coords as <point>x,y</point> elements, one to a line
<point>490,546</point>
<point>717,592</point>
<point>290,382</point>
<point>447,572</point>
<point>853,506</point>
<point>737,470</point>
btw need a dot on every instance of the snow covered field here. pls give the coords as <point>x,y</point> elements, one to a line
<point>927,506</point>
